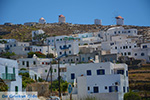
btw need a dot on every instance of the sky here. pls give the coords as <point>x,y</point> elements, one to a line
<point>134,12</point>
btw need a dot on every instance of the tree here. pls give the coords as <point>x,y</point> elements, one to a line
<point>26,79</point>
<point>50,55</point>
<point>40,38</point>
<point>63,85</point>
<point>131,96</point>
<point>3,85</point>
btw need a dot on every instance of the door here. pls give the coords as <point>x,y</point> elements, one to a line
<point>27,63</point>
<point>95,89</point>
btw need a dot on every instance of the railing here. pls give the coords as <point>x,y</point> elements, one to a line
<point>8,77</point>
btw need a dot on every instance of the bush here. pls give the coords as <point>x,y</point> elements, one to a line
<point>23,69</point>
<point>26,79</point>
<point>50,55</point>
<point>38,54</point>
<point>131,96</point>
<point>63,85</point>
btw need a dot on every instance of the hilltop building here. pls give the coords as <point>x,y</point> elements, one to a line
<point>42,20</point>
<point>97,22</point>
<point>62,19</point>
<point>119,20</point>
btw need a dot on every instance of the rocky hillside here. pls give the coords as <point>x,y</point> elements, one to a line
<point>23,33</point>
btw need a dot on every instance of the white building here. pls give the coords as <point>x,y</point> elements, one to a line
<point>97,22</point>
<point>119,20</point>
<point>62,19</point>
<point>33,62</point>
<point>69,47</point>
<point>42,20</point>
<point>33,74</point>
<point>107,35</point>
<point>44,69</point>
<point>43,49</point>
<point>37,32</point>
<point>9,73</point>
<point>97,78</point>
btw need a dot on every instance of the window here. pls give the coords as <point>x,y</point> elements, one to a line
<point>144,46</point>
<point>69,45</point>
<point>95,89</point>
<point>34,62</point>
<point>124,47</point>
<point>89,58</point>
<point>129,53</point>
<point>128,31</point>
<point>60,39</point>
<point>100,72</point>
<point>135,54</point>
<point>72,76</point>
<point>57,40</point>
<point>83,59</point>
<point>126,73</point>
<point>105,87</point>
<point>115,47</point>
<point>127,89</point>
<point>60,47</point>
<point>40,50</point>
<point>124,89</point>
<point>70,52</point>
<point>125,54</point>
<point>55,70</point>
<point>60,53</point>
<point>89,72</point>
<point>13,70</point>
<point>76,59</point>
<point>45,70</point>
<point>120,72</point>
<point>88,88</point>
<point>22,62</point>
<point>114,32</point>
<point>42,62</point>
<point>113,89</point>
<point>129,46</point>
<point>16,88</point>
<point>118,31</point>
<point>120,47</point>
<point>142,54</point>
<point>14,45</point>
<point>134,46</point>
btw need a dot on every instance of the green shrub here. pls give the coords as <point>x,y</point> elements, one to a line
<point>131,96</point>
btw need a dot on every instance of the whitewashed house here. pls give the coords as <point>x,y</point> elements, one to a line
<point>43,49</point>
<point>33,62</point>
<point>36,32</point>
<point>9,73</point>
<point>107,35</point>
<point>68,47</point>
<point>96,79</point>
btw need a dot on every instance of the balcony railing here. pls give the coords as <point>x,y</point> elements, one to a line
<point>8,77</point>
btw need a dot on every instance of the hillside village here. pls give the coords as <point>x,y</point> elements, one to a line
<point>99,61</point>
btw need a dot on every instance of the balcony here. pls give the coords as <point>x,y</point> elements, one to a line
<point>8,77</point>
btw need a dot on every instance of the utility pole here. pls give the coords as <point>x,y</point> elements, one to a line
<point>59,77</point>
